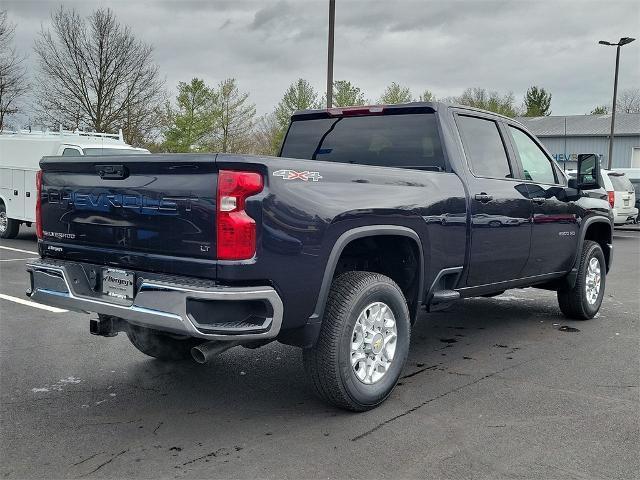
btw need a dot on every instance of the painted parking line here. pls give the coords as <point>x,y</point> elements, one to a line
<point>18,259</point>
<point>18,250</point>
<point>31,304</point>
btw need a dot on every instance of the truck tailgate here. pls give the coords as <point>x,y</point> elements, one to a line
<point>149,212</point>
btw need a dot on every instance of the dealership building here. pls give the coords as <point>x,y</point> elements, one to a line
<point>566,137</point>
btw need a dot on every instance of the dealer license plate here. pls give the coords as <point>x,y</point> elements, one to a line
<point>118,283</point>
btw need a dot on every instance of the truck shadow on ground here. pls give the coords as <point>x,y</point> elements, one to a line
<point>272,378</point>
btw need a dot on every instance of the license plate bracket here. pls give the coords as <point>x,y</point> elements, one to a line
<point>118,283</point>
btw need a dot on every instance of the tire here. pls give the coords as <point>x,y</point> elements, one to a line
<point>575,303</point>
<point>8,226</point>
<point>328,363</point>
<point>159,345</point>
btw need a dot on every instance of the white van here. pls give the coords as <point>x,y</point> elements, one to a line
<point>20,154</point>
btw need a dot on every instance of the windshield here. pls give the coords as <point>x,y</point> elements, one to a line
<point>620,182</point>
<point>113,151</point>
<point>404,140</point>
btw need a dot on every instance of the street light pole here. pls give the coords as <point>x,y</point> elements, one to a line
<point>623,41</point>
<point>332,21</point>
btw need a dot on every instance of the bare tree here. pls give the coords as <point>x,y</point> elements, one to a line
<point>629,101</point>
<point>266,136</point>
<point>489,100</point>
<point>234,118</point>
<point>94,73</point>
<point>12,74</point>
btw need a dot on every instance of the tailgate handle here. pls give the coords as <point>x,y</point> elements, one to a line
<point>112,172</point>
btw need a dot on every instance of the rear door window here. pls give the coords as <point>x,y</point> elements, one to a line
<point>400,140</point>
<point>484,147</point>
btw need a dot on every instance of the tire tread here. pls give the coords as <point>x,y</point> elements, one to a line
<point>571,300</point>
<point>321,361</point>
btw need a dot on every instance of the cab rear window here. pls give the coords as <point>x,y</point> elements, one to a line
<point>401,140</point>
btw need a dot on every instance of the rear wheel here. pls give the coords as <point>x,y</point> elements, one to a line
<point>8,226</point>
<point>160,345</point>
<point>363,343</point>
<point>583,301</point>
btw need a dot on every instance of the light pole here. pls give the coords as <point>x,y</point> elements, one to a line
<point>332,21</point>
<point>623,41</point>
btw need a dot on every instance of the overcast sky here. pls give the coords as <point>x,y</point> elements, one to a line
<point>443,46</point>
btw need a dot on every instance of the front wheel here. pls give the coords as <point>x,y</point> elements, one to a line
<point>8,226</point>
<point>583,301</point>
<point>363,343</point>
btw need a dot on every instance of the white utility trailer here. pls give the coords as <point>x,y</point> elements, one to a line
<point>20,154</point>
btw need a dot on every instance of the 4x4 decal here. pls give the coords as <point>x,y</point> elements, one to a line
<point>293,175</point>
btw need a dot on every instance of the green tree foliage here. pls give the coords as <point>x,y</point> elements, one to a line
<point>427,96</point>
<point>299,96</point>
<point>600,110</point>
<point>537,102</point>
<point>234,118</point>
<point>396,93</point>
<point>491,101</point>
<point>346,94</point>
<point>191,122</point>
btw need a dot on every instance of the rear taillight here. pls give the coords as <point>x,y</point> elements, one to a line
<point>236,231</point>
<point>612,198</point>
<point>39,204</point>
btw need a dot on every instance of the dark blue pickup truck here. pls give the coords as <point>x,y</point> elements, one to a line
<point>368,215</point>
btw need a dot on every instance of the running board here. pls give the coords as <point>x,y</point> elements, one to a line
<point>445,296</point>
<point>442,299</point>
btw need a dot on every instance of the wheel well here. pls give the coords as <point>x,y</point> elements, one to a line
<point>396,256</point>
<point>600,232</point>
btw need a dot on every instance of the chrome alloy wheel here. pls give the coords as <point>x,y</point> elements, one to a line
<point>592,284</point>
<point>373,343</point>
<point>4,222</point>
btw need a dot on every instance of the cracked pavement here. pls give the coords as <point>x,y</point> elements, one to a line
<point>492,389</point>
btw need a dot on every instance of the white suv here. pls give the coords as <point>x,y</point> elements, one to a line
<point>621,194</point>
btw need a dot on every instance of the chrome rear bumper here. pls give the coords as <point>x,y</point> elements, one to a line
<point>161,305</point>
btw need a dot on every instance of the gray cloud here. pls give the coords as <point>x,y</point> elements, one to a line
<point>444,46</point>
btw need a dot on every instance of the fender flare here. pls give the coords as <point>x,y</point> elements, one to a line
<point>573,273</point>
<point>354,234</point>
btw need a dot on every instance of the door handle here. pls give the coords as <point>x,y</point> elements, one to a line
<point>483,197</point>
<point>15,192</point>
<point>538,200</point>
<point>28,194</point>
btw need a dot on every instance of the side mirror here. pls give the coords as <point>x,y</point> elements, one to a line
<point>588,175</point>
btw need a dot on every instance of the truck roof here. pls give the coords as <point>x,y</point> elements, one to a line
<point>411,107</point>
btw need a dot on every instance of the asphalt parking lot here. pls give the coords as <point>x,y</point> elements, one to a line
<point>494,388</point>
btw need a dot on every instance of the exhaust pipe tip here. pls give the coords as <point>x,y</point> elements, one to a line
<point>204,352</point>
<point>198,355</point>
